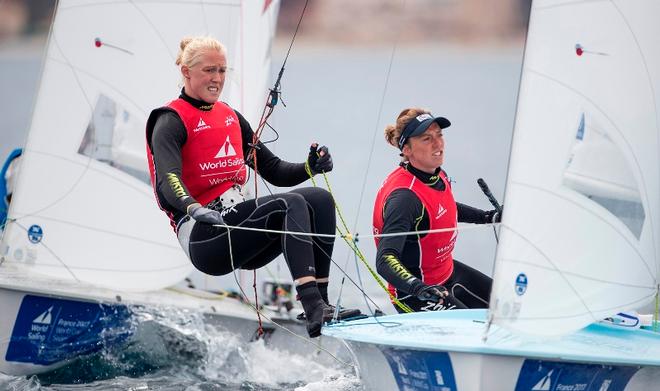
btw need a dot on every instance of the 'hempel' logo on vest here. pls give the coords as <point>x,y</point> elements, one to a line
<point>201,125</point>
<point>226,150</point>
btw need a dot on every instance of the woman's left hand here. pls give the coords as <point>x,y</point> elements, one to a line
<point>319,159</point>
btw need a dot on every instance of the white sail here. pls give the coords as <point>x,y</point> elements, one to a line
<point>580,235</point>
<point>83,210</point>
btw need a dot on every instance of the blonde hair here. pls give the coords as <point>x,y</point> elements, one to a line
<point>190,49</point>
<point>393,132</point>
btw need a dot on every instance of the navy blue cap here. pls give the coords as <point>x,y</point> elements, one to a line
<point>419,124</point>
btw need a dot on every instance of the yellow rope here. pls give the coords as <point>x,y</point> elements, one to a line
<point>308,170</point>
<point>380,282</point>
<point>350,241</point>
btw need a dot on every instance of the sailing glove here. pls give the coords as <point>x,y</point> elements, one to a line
<point>492,217</point>
<point>433,293</point>
<point>205,215</point>
<point>319,159</point>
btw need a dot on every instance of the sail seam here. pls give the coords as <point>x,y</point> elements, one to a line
<point>70,268</point>
<point>655,106</point>
<point>641,257</point>
<point>87,167</point>
<point>575,274</point>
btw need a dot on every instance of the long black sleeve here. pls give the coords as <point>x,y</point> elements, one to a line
<point>470,214</point>
<point>403,212</point>
<point>169,136</point>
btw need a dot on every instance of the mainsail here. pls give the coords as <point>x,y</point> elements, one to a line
<point>82,209</point>
<point>580,235</point>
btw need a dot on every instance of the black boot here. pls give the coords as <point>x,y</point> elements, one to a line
<point>317,312</point>
<point>343,314</point>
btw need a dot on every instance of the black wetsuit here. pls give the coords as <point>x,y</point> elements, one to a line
<point>301,210</point>
<point>404,212</point>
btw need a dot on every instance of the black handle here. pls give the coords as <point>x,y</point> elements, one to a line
<point>484,187</point>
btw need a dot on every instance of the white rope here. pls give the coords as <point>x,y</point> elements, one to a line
<point>460,227</point>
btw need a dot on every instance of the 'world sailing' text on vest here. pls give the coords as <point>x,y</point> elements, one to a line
<point>212,157</point>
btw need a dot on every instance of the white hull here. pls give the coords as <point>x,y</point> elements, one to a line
<point>47,323</point>
<point>446,351</point>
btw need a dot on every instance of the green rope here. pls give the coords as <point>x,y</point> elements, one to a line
<point>350,241</point>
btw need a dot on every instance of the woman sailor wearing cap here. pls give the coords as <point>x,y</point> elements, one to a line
<point>417,196</point>
<point>197,148</point>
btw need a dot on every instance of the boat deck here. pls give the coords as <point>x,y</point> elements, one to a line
<point>20,279</point>
<point>464,331</point>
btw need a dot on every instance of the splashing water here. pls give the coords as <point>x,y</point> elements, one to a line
<point>173,349</point>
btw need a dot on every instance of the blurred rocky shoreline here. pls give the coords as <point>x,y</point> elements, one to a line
<point>348,22</point>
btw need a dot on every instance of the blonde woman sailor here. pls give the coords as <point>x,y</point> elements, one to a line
<point>198,150</point>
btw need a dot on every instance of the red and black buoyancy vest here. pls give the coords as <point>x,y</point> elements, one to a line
<point>436,262</point>
<point>212,157</point>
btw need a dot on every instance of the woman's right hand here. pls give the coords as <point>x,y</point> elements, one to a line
<point>205,215</point>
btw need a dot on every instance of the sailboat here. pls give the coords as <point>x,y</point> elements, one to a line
<point>580,237</point>
<point>85,243</point>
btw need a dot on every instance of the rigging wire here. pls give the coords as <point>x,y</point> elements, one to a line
<point>273,98</point>
<point>41,242</point>
<point>344,273</point>
<point>260,314</point>
<point>349,239</point>
<point>373,140</point>
<point>380,112</point>
<point>309,234</point>
<point>348,236</point>
<point>277,135</point>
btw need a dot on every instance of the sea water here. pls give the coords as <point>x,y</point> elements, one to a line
<point>342,97</point>
<point>176,350</point>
